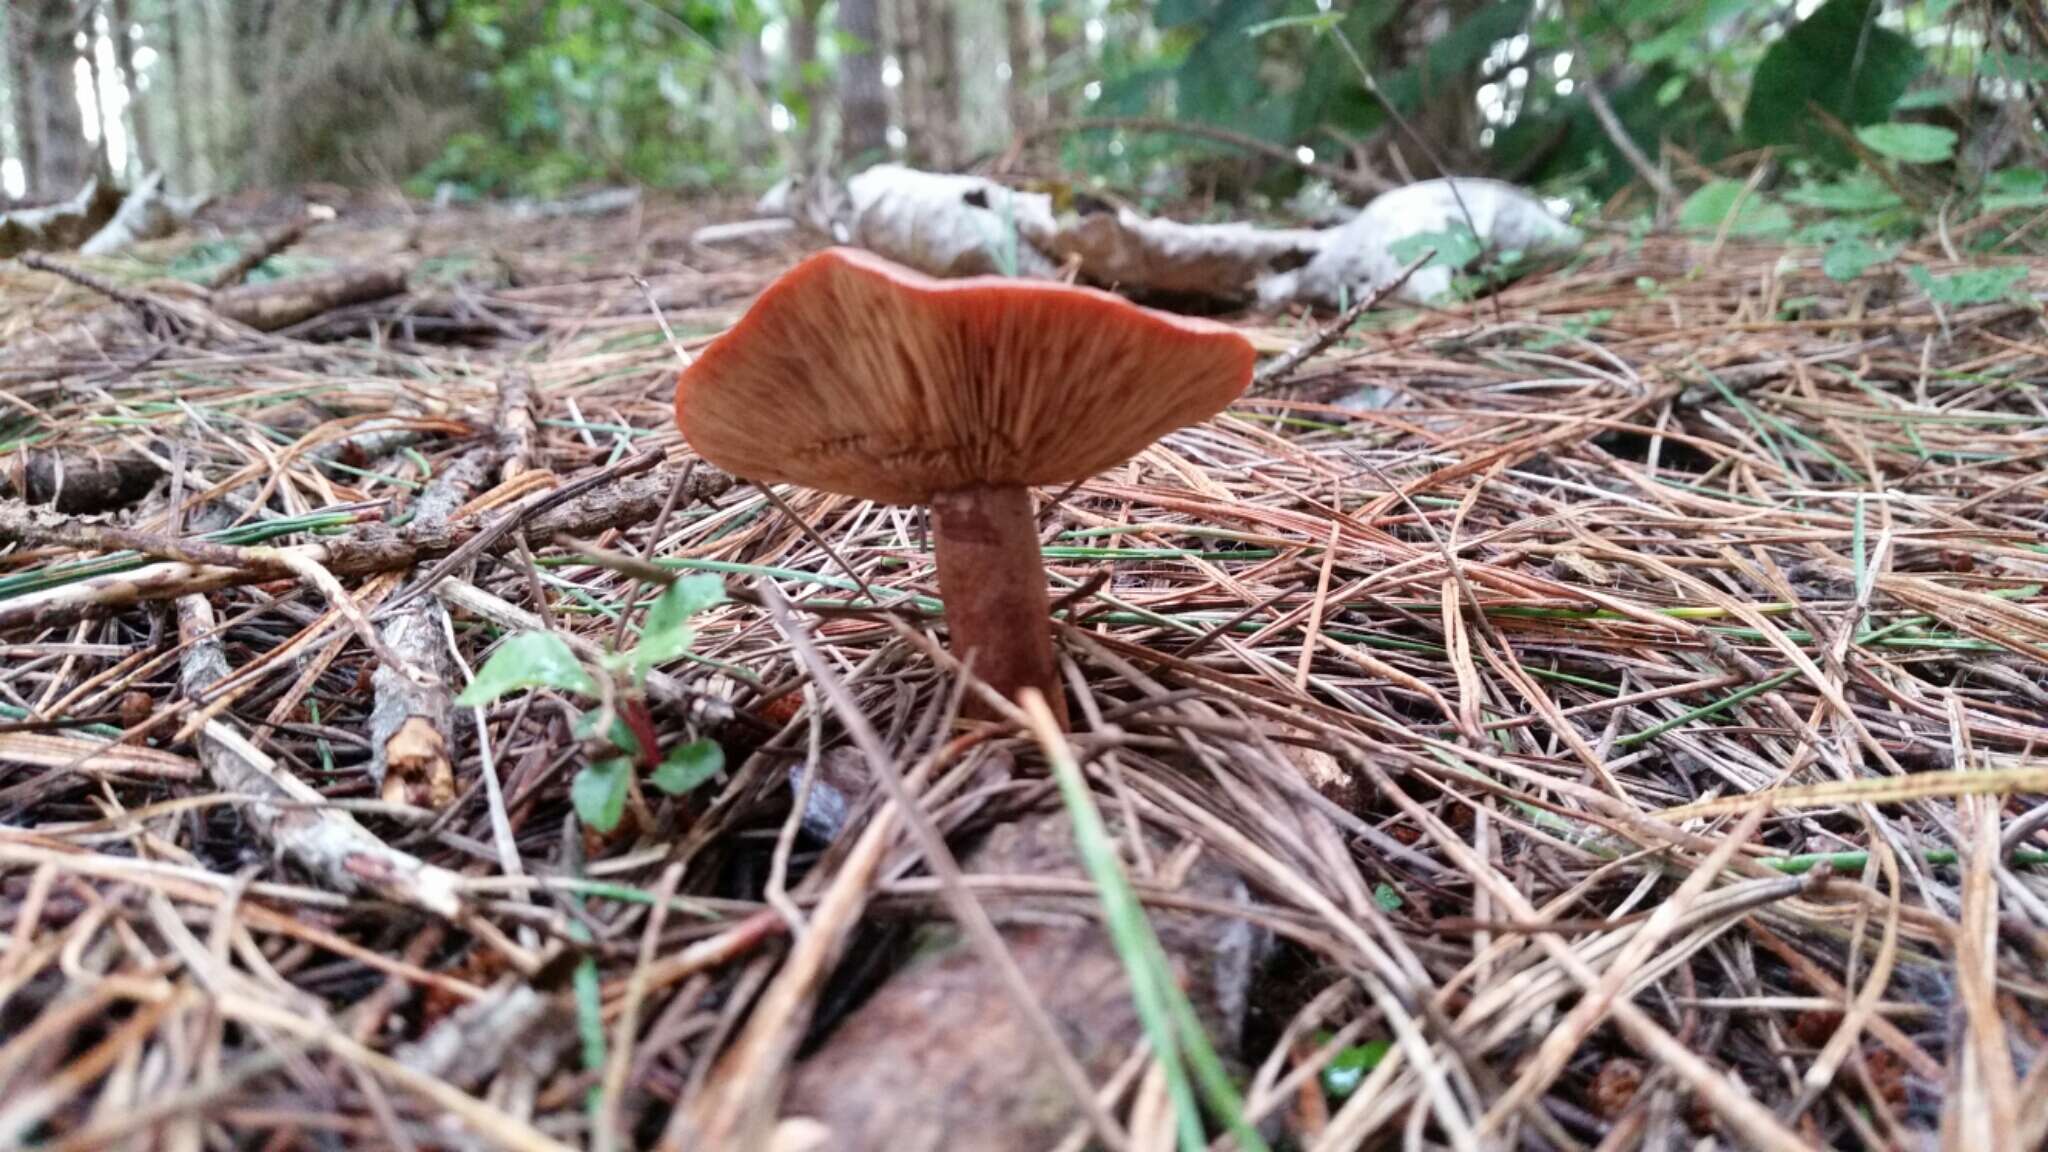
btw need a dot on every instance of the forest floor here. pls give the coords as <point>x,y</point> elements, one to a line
<point>1603,714</point>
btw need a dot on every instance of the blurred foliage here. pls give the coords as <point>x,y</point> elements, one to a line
<point>1836,67</point>
<point>606,91</point>
<point>1841,122</point>
<point>311,126</point>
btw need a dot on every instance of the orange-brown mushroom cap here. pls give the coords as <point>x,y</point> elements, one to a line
<point>854,375</point>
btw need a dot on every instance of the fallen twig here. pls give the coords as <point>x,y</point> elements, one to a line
<point>331,845</point>
<point>1278,369</point>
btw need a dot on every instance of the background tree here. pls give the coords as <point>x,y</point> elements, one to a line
<point>141,140</point>
<point>807,94</point>
<point>863,100</point>
<point>1024,85</point>
<point>57,128</point>
<point>24,121</point>
<point>912,83</point>
<point>1215,96</point>
<point>176,95</point>
<point>1057,21</point>
<point>934,40</point>
<point>222,56</point>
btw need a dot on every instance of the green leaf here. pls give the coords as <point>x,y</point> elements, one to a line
<point>2007,66</point>
<point>1861,192</point>
<point>1186,1057</point>
<point>599,793</point>
<point>2016,188</point>
<point>1909,143</point>
<point>1316,22</point>
<point>688,766</point>
<point>588,991</point>
<point>1341,1076</point>
<point>1385,896</point>
<point>1927,99</point>
<point>620,735</point>
<point>1838,60</point>
<point>667,633</point>
<point>1823,232</point>
<point>1745,213</point>
<point>1455,247</point>
<point>1849,258</point>
<point>528,660</point>
<point>1970,286</point>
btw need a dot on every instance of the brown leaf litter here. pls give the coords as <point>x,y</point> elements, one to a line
<point>1624,698</point>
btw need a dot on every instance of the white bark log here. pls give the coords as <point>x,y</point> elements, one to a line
<point>948,225</point>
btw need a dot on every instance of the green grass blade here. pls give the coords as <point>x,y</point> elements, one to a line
<point>1178,1040</point>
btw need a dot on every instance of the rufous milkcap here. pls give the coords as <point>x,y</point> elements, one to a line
<point>854,375</point>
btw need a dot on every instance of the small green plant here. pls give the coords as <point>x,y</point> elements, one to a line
<point>1474,269</point>
<point>1969,286</point>
<point>619,730</point>
<point>1350,1066</point>
<point>1730,206</point>
<point>1909,143</point>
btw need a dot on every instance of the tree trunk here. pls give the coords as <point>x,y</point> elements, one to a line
<point>910,83</point>
<point>251,21</point>
<point>284,34</point>
<point>21,94</point>
<point>219,54</point>
<point>934,34</point>
<point>176,94</point>
<point>1057,19</point>
<point>863,102</point>
<point>103,115</point>
<point>1024,86</point>
<point>803,61</point>
<point>62,163</point>
<point>141,144</point>
<point>752,84</point>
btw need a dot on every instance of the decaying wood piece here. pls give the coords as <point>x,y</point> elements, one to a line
<point>283,303</point>
<point>412,722</point>
<point>78,481</point>
<point>954,225</point>
<point>950,225</point>
<point>1361,255</point>
<point>58,226</point>
<point>742,231</point>
<point>1121,248</point>
<point>326,843</point>
<point>939,1058</point>
<point>143,215</point>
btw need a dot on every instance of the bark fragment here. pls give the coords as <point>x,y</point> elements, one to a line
<point>412,723</point>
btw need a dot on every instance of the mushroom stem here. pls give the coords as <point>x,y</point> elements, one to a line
<point>992,579</point>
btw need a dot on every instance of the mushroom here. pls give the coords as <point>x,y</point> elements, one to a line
<point>854,375</point>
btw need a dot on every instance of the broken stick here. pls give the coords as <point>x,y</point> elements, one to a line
<point>329,844</point>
